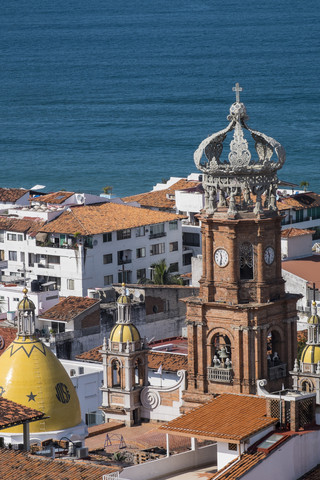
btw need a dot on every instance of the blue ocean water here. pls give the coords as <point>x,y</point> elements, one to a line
<point>121,93</point>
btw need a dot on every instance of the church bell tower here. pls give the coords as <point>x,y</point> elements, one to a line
<point>242,327</point>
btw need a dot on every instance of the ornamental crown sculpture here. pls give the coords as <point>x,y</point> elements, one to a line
<point>240,175</point>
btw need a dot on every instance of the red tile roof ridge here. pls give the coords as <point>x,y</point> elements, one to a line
<point>69,308</point>
<point>295,232</point>
<point>106,217</point>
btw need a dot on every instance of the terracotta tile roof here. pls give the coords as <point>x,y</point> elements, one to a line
<point>7,335</point>
<point>68,308</point>
<point>92,355</point>
<point>299,201</point>
<point>105,217</point>
<point>295,232</point>
<point>307,268</point>
<point>19,465</point>
<point>170,362</point>
<point>23,225</point>
<point>235,469</point>
<point>55,197</point>
<point>11,194</point>
<point>161,198</point>
<point>12,413</point>
<point>227,417</point>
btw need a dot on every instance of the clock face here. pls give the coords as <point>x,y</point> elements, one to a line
<point>269,255</point>
<point>221,257</point>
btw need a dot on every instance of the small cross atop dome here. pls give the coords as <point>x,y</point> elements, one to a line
<point>237,89</point>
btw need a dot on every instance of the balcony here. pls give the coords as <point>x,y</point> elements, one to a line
<point>157,235</point>
<point>278,371</point>
<point>124,261</point>
<point>220,374</point>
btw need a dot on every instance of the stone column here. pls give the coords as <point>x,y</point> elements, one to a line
<point>128,374</point>
<point>26,436</point>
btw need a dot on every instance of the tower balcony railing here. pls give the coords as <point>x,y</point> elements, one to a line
<point>220,374</point>
<point>278,371</point>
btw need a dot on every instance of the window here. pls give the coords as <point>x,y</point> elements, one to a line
<point>157,249</point>
<point>246,261</point>
<point>13,256</point>
<point>2,236</point>
<point>157,230</point>
<point>115,366</point>
<point>173,246</point>
<point>141,274</point>
<point>16,299</point>
<point>141,252</point>
<point>232,447</point>
<point>20,238</point>
<point>108,279</point>
<point>124,256</point>
<point>192,239</point>
<point>174,267</point>
<point>70,284</point>
<point>53,259</point>
<point>187,259</point>
<point>107,258</point>
<point>12,236</point>
<point>123,234</point>
<point>173,225</point>
<point>107,237</point>
<point>124,277</point>
<point>140,231</point>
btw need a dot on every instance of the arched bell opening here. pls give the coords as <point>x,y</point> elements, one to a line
<point>220,369</point>
<point>277,368</point>
<point>116,377</point>
<point>138,372</point>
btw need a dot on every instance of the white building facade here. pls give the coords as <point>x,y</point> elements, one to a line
<point>86,247</point>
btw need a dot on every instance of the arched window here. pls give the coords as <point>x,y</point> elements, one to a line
<point>306,387</point>
<point>72,372</point>
<point>246,261</point>
<point>138,372</point>
<point>115,367</point>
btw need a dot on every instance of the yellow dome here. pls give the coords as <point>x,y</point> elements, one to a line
<point>122,332</point>
<point>26,304</point>
<point>310,354</point>
<point>124,299</point>
<point>31,375</point>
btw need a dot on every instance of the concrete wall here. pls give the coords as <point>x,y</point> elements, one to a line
<point>87,380</point>
<point>291,460</point>
<point>298,285</point>
<point>296,247</point>
<point>170,465</point>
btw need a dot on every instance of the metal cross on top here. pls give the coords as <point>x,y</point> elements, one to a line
<point>237,89</point>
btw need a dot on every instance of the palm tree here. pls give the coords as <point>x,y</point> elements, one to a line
<point>304,184</point>
<point>162,275</point>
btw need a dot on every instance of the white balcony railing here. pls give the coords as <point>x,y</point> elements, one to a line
<point>216,374</point>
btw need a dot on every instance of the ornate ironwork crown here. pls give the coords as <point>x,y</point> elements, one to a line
<point>240,175</point>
